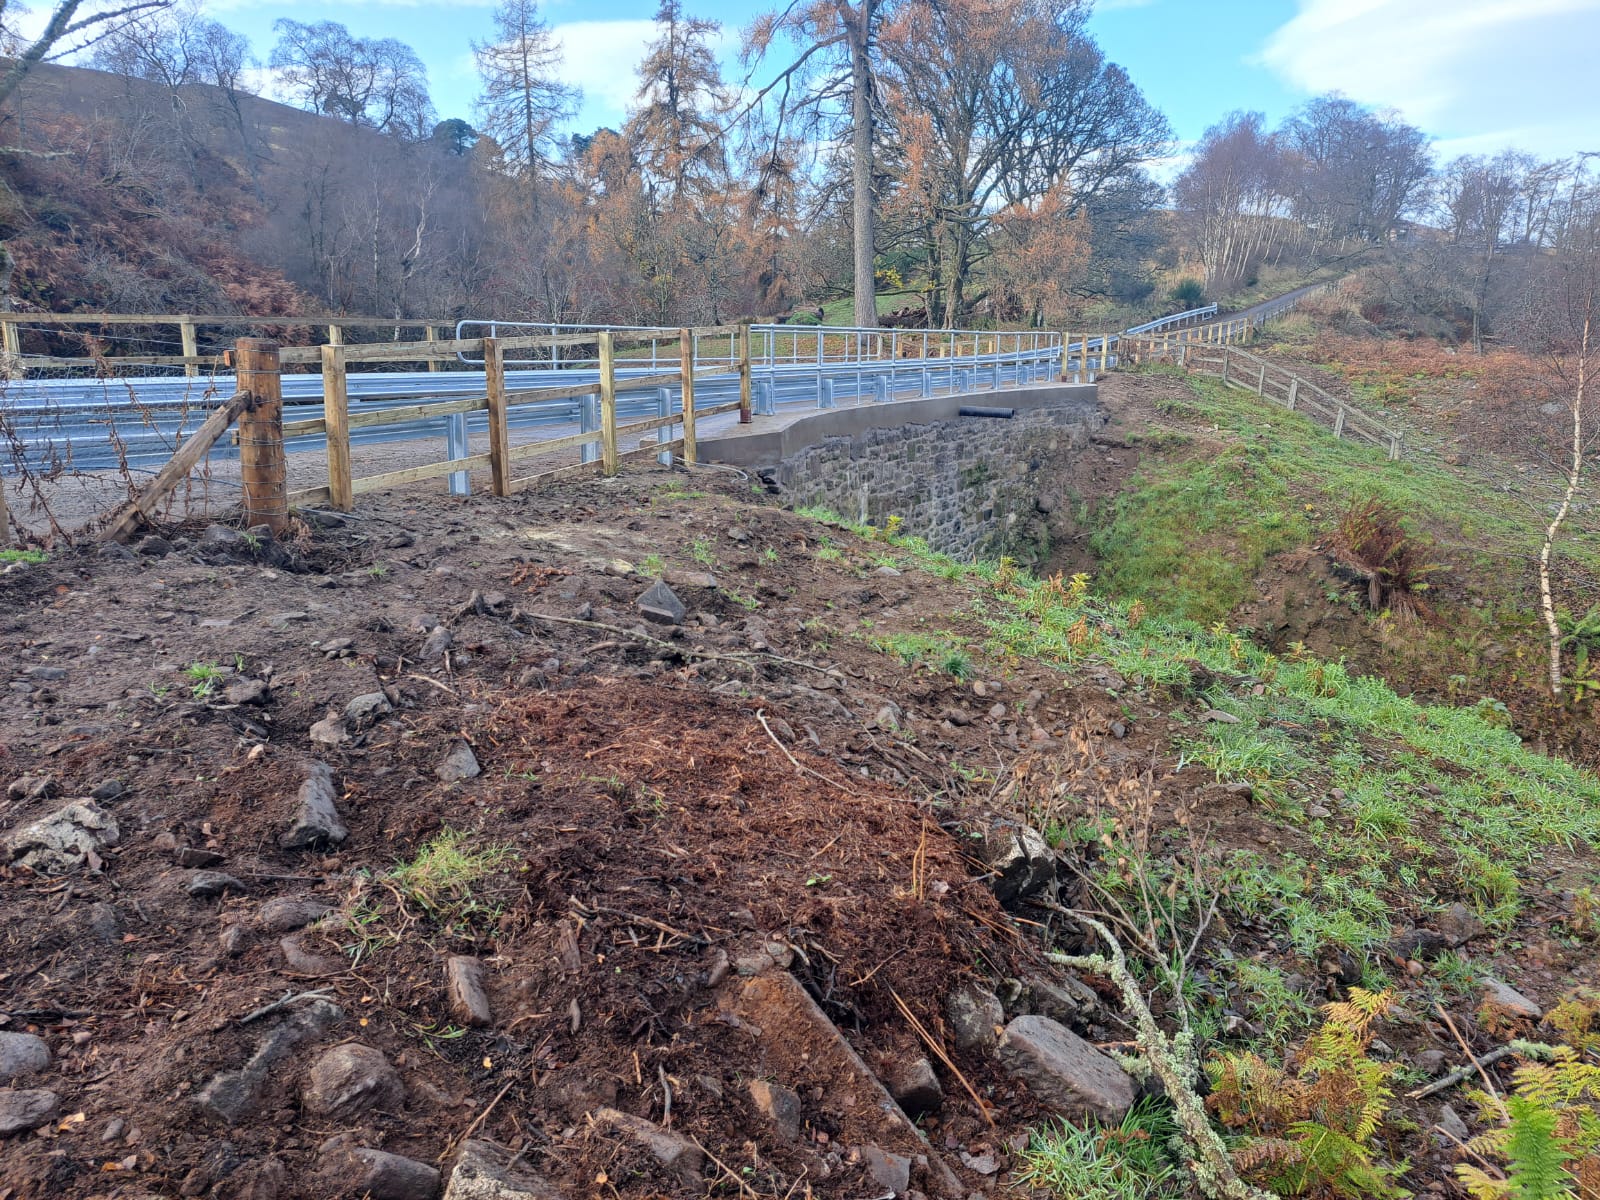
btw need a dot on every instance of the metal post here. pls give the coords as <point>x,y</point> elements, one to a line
<point>588,422</point>
<point>825,397</point>
<point>664,409</point>
<point>455,438</point>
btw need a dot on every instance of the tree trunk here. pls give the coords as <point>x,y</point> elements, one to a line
<point>864,232</point>
<point>1547,604</point>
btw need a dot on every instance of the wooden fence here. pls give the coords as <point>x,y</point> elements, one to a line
<point>1240,369</point>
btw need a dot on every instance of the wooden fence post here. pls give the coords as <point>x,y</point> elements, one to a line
<point>5,516</point>
<point>12,336</point>
<point>1338,421</point>
<point>261,464</point>
<point>335,335</point>
<point>1294,391</point>
<point>433,363</point>
<point>608,401</point>
<point>336,420</point>
<point>686,371</point>
<point>1261,381</point>
<point>744,374</point>
<point>1394,447</point>
<point>191,345</point>
<point>1224,363</point>
<point>494,377</point>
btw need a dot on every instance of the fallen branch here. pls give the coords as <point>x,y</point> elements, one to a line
<point>933,1044</point>
<point>761,715</point>
<point>177,468</point>
<point>1445,1082</point>
<point>283,1002</point>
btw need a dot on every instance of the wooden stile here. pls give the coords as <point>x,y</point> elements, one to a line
<point>262,469</point>
<point>608,403</point>
<point>686,369</point>
<point>336,422</point>
<point>494,374</point>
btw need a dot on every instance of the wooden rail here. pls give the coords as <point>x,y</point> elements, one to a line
<point>1240,369</point>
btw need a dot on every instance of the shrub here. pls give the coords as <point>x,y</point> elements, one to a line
<point>1371,537</point>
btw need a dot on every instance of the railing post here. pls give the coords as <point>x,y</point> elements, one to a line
<point>494,378</point>
<point>5,515</point>
<point>686,371</point>
<point>1066,354</point>
<point>335,335</point>
<point>261,465</point>
<point>744,375</point>
<point>1394,448</point>
<point>608,400</point>
<point>191,346</point>
<point>1261,381</point>
<point>336,421</point>
<point>1294,391</point>
<point>1224,363</point>
<point>1338,421</point>
<point>432,332</point>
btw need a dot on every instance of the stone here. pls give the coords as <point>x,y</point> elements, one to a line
<point>375,1174</point>
<point>221,537</point>
<point>975,1015</point>
<point>285,914</point>
<point>205,884</point>
<point>678,1154</point>
<point>435,644</point>
<point>22,1109</point>
<point>230,1096</point>
<point>892,1172</point>
<point>1064,1072</point>
<point>695,579</point>
<point>307,962</point>
<point>194,856</point>
<point>47,674</point>
<point>914,1086</point>
<point>1069,1000</point>
<point>153,546</point>
<point>363,711</point>
<point>22,1054</point>
<point>246,691</point>
<point>485,1171</point>
<point>1429,1062</point>
<point>469,1003</point>
<point>1450,1121</point>
<point>1460,924</point>
<point>1419,944</point>
<point>1020,861</point>
<point>1219,717</point>
<point>778,1104</point>
<point>65,840</point>
<point>458,765</point>
<point>1318,812</point>
<point>317,824</point>
<point>32,787</point>
<point>330,731</point>
<point>1507,997</point>
<point>352,1079</point>
<point>660,603</point>
<point>103,922</point>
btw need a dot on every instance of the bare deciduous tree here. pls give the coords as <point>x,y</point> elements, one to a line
<point>380,83</point>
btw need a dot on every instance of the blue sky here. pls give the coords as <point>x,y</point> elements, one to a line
<point>1474,74</point>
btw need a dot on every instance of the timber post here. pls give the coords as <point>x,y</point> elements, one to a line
<point>608,402</point>
<point>494,377</point>
<point>336,423</point>
<point>686,370</point>
<point>191,346</point>
<point>432,332</point>
<point>744,373</point>
<point>261,464</point>
<point>11,344</point>
<point>5,516</point>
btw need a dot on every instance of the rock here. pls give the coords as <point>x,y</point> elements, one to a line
<point>694,579</point>
<point>22,1054</point>
<point>246,691</point>
<point>975,1015</point>
<point>892,1172</point>
<point>1317,812</point>
<point>1020,860</point>
<point>32,787</point>
<point>232,1095</point>
<point>265,1179</point>
<point>1071,1001</point>
<point>47,674</point>
<point>461,763</point>
<point>660,603</point>
<point>1450,1121</point>
<point>1419,943</point>
<point>192,856</point>
<point>469,1004</point>
<point>306,962</point>
<point>1507,997</point>
<point>1064,1072</point>
<point>22,1109</point>
<point>352,1079</point>
<point>103,922</point>
<point>363,712</point>
<point>153,546</point>
<point>1220,717</point>
<point>221,537</point>
<point>111,789</point>
<point>220,1160</point>
<point>1460,924</point>
<point>374,1174</point>
<point>205,884</point>
<point>329,731</point>
<point>913,1085</point>
<point>435,644</point>
<point>317,824</point>
<point>1429,1062</point>
<point>889,717</point>
<point>778,1104</point>
<point>887,572</point>
<point>485,1171</point>
<point>678,1154</point>
<point>322,518</point>
<point>65,840</point>
<point>983,1164</point>
<point>286,914</point>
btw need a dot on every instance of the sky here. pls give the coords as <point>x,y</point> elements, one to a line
<point>1476,75</point>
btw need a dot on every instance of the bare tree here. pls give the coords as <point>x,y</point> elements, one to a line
<point>1234,199</point>
<point>523,101</point>
<point>379,83</point>
<point>73,26</point>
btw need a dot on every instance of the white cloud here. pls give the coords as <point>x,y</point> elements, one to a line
<point>601,57</point>
<point>1467,71</point>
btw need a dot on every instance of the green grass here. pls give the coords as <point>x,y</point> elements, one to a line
<point>1190,535</point>
<point>441,877</point>
<point>1132,1161</point>
<point>204,678</point>
<point>35,557</point>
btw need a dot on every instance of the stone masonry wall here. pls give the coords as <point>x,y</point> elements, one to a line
<point>969,485</point>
